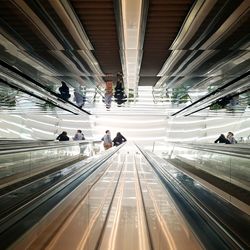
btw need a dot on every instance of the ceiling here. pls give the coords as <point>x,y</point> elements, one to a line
<point>190,54</point>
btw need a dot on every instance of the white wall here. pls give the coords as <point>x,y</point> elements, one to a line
<point>46,127</point>
<point>208,129</point>
<point>135,128</point>
<point>142,129</point>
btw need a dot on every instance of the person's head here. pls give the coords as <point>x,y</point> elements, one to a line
<point>118,134</point>
<point>79,131</point>
<point>230,134</point>
<point>63,83</point>
<point>107,132</point>
<point>64,133</point>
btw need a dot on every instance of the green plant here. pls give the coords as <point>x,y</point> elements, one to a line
<point>215,106</point>
<point>8,98</point>
<point>47,106</point>
<point>180,95</point>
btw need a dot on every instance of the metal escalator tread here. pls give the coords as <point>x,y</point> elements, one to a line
<point>238,192</point>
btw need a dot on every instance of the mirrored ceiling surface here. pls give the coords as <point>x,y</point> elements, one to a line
<point>173,58</point>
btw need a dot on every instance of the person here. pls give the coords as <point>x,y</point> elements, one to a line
<point>230,138</point>
<point>63,136</point>
<point>119,139</point>
<point>120,96</point>
<point>78,136</point>
<point>64,91</point>
<point>108,99</point>
<point>79,98</point>
<point>107,142</point>
<point>108,94</point>
<point>222,139</point>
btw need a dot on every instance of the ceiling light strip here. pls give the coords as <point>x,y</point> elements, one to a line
<point>131,24</point>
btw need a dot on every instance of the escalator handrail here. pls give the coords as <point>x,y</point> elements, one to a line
<point>229,149</point>
<point>16,220</point>
<point>31,148</point>
<point>223,231</point>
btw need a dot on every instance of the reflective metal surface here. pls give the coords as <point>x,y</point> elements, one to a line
<point>234,169</point>
<point>33,158</point>
<point>128,208</point>
<point>182,51</point>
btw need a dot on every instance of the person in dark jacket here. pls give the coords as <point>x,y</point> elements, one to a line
<point>120,96</point>
<point>63,136</point>
<point>119,139</point>
<point>64,91</point>
<point>222,139</point>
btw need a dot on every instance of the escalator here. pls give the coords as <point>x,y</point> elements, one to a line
<point>128,198</point>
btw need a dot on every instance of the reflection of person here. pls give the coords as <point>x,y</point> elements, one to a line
<point>107,142</point>
<point>108,94</point>
<point>108,100</point>
<point>222,139</point>
<point>119,139</point>
<point>79,98</point>
<point>64,91</point>
<point>63,136</point>
<point>120,96</point>
<point>230,138</point>
<point>79,136</point>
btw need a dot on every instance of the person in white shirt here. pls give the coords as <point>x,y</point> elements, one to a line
<point>107,142</point>
<point>79,136</point>
<point>230,137</point>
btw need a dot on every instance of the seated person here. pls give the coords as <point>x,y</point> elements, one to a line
<point>119,139</point>
<point>230,138</point>
<point>78,136</point>
<point>222,139</point>
<point>63,136</point>
<point>107,142</point>
<point>79,98</point>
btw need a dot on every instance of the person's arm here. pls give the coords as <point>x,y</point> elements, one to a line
<point>58,137</point>
<point>124,139</point>
<point>220,139</point>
